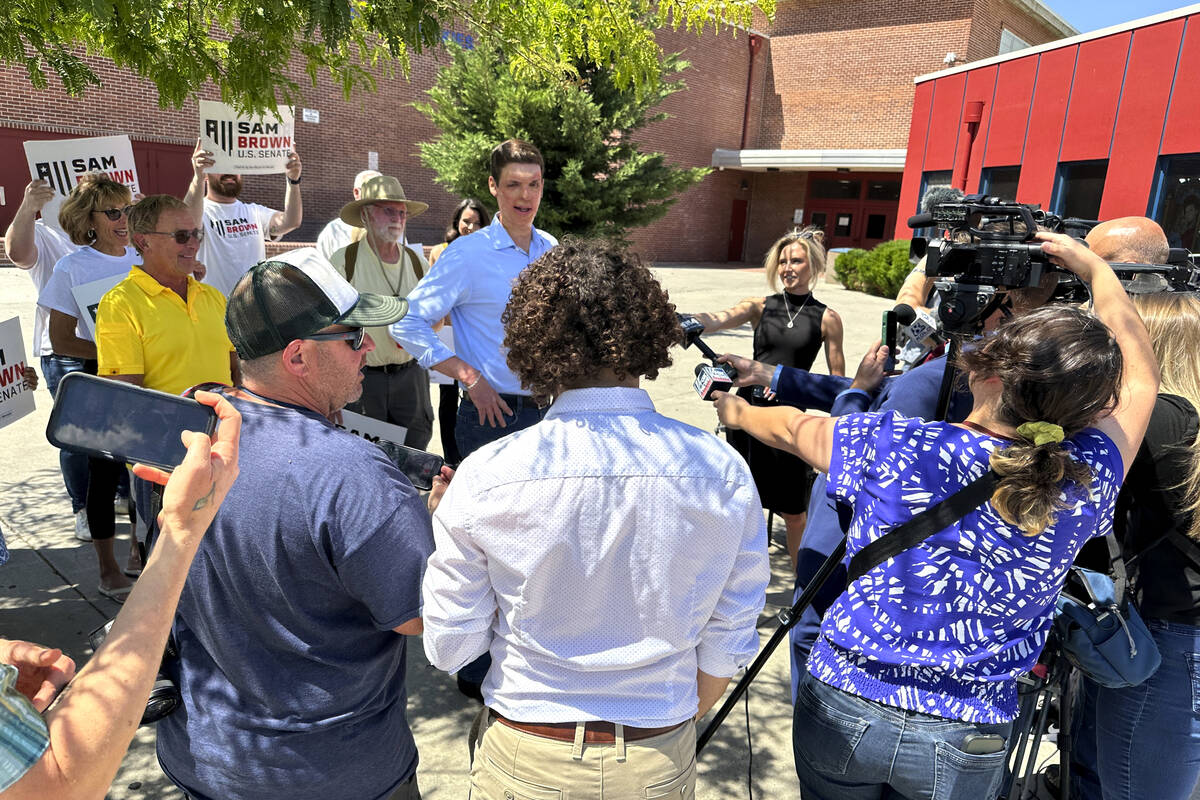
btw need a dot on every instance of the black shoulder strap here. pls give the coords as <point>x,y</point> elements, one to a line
<point>351,259</point>
<point>922,526</point>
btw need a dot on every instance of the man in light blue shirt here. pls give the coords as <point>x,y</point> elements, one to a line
<point>471,282</point>
<point>612,560</point>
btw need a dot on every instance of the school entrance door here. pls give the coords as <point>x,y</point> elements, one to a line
<point>854,209</point>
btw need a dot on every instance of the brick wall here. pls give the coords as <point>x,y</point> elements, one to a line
<point>991,16</point>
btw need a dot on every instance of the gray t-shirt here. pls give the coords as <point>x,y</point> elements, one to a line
<point>291,674</point>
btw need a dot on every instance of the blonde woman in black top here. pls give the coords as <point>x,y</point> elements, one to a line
<point>790,328</point>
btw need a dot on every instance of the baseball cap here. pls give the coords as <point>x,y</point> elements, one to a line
<point>297,294</point>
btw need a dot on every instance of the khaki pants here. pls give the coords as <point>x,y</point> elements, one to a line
<point>514,765</point>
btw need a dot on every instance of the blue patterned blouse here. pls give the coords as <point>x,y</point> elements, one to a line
<point>944,628</point>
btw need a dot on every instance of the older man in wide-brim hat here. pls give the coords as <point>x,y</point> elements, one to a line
<point>395,387</point>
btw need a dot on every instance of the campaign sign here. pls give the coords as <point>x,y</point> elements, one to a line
<point>246,145</point>
<point>372,429</point>
<point>16,395</point>
<point>88,295</point>
<point>62,162</point>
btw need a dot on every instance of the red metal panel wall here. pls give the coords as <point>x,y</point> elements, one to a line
<point>1046,125</point>
<point>1095,92</point>
<point>1009,117</point>
<point>981,84</point>
<point>910,189</point>
<point>1182,132</point>
<point>1140,119</point>
<point>944,122</point>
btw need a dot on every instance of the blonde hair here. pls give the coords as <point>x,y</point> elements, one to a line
<point>94,190</point>
<point>812,240</point>
<point>1173,321</point>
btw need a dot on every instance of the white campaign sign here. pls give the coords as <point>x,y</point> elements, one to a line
<point>246,145</point>
<point>88,295</point>
<point>62,162</point>
<point>372,429</point>
<point>16,395</point>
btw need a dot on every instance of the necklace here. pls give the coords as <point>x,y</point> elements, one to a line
<point>792,317</point>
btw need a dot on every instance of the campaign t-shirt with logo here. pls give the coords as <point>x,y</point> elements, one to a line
<point>85,265</point>
<point>235,236</point>
<point>52,244</point>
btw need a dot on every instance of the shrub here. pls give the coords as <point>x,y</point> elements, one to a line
<point>883,270</point>
<point>847,266</point>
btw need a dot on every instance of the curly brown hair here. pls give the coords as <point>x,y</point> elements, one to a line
<point>584,307</point>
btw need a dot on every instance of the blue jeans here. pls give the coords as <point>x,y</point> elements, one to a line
<point>1142,741</point>
<point>470,435</point>
<point>850,748</point>
<point>74,466</point>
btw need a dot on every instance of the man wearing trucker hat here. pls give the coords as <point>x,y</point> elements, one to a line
<point>291,628</point>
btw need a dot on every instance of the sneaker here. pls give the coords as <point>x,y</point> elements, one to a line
<point>121,505</point>
<point>82,532</point>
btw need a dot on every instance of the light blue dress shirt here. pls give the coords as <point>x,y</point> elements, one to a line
<point>601,556</point>
<point>471,281</point>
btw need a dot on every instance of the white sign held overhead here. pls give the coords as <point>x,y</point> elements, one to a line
<point>88,295</point>
<point>16,395</point>
<point>244,144</point>
<point>62,162</point>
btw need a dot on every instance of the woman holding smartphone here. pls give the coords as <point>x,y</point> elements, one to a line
<point>911,687</point>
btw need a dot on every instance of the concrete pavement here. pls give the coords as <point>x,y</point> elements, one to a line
<point>48,590</point>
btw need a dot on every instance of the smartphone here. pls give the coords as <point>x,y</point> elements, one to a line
<point>888,337</point>
<point>418,466</point>
<point>117,420</point>
<point>981,744</point>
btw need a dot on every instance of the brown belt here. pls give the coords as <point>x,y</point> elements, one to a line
<point>595,732</point>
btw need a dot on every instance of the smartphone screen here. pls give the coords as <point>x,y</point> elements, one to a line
<point>888,337</point>
<point>418,466</point>
<point>117,420</point>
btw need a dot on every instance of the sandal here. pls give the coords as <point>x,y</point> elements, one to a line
<point>117,595</point>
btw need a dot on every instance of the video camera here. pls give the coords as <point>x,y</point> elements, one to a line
<point>988,248</point>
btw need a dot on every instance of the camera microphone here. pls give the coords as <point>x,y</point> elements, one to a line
<point>920,220</point>
<point>711,378</point>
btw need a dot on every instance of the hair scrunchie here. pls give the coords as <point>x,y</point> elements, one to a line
<point>1041,433</point>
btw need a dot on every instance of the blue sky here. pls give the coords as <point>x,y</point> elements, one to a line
<point>1090,15</point>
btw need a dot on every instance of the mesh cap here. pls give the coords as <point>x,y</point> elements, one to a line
<point>296,295</point>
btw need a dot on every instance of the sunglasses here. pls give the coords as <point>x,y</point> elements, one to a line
<point>113,213</point>
<point>356,338</point>
<point>181,236</point>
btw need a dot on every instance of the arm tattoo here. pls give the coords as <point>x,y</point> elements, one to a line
<point>203,501</point>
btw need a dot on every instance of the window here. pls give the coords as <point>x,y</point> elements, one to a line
<point>883,190</point>
<point>1009,42</point>
<point>1001,182</point>
<point>1078,189</point>
<point>876,225</point>
<point>1175,202</point>
<point>837,189</point>
<point>939,177</point>
<point>842,226</point>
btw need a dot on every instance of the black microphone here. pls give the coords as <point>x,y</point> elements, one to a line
<point>709,379</point>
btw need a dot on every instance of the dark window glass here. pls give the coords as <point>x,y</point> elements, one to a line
<point>1078,189</point>
<point>1002,182</point>
<point>818,219</point>
<point>843,223</point>
<point>836,189</point>
<point>939,177</point>
<point>876,225</point>
<point>1177,206</point>
<point>883,190</point>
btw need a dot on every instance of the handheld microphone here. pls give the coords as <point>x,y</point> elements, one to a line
<point>711,378</point>
<point>918,326</point>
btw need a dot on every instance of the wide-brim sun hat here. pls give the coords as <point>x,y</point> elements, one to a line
<point>380,189</point>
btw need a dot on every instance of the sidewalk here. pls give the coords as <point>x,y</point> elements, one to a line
<point>48,590</point>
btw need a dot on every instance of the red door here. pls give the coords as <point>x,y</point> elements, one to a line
<point>737,229</point>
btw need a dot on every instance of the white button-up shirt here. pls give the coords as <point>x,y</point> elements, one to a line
<point>602,556</point>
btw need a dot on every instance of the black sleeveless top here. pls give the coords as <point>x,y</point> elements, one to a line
<point>797,346</point>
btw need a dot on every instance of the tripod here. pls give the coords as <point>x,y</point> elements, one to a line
<point>1053,677</point>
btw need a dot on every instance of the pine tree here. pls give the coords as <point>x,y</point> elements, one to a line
<point>598,182</point>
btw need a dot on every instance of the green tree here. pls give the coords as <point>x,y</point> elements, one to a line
<point>245,47</point>
<point>598,182</point>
